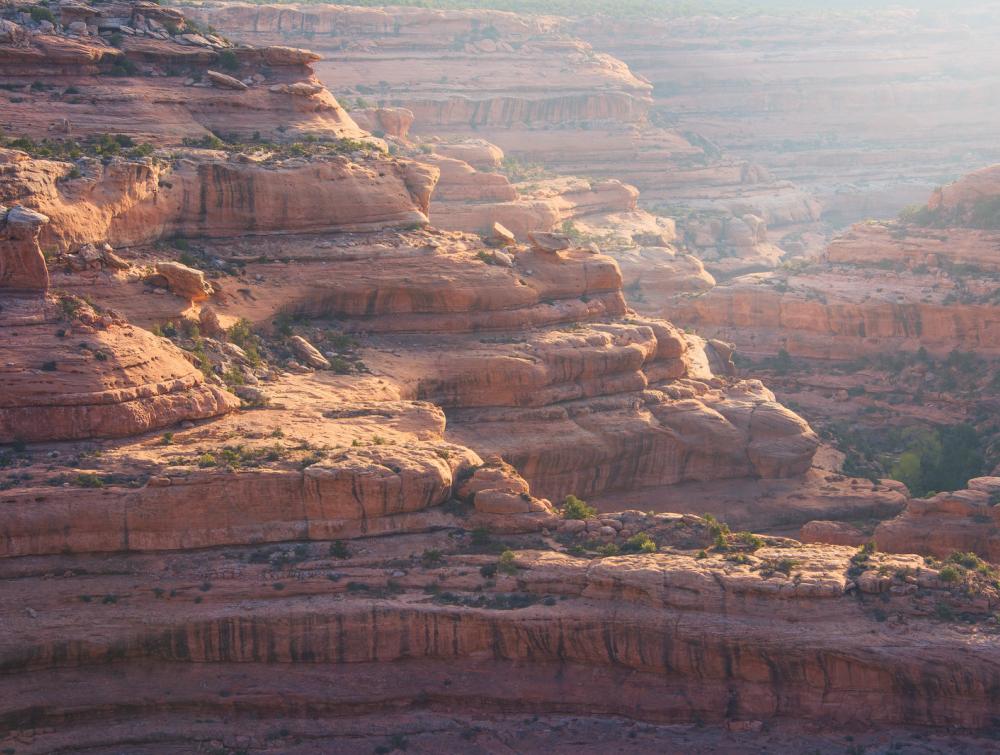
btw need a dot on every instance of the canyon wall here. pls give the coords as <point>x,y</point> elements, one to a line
<point>867,109</point>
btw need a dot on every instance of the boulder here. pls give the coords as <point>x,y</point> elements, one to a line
<point>502,502</point>
<point>184,281</point>
<point>112,260</point>
<point>225,81</point>
<point>209,323</point>
<point>278,55</point>
<point>501,236</point>
<point>549,242</point>
<point>11,33</point>
<point>22,265</point>
<point>307,353</point>
<point>832,533</point>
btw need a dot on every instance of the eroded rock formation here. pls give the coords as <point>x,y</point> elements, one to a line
<point>530,85</point>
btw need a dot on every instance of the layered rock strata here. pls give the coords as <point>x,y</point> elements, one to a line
<point>926,280</point>
<point>868,109</point>
<point>492,75</point>
<point>548,637</point>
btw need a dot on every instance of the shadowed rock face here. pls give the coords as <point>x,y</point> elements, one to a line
<point>964,521</point>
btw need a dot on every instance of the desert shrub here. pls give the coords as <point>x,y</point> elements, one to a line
<point>40,13</point>
<point>574,508</point>
<point>749,539</point>
<point>339,549</point>
<point>241,334</point>
<point>945,458</point>
<point>507,564</point>
<point>949,574</point>
<point>431,557</point>
<point>640,543</point>
<point>228,61</point>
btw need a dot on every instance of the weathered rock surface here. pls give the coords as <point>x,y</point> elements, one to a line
<point>22,265</point>
<point>137,85</point>
<point>184,281</point>
<point>377,536</point>
<point>531,86</point>
<point>134,202</point>
<point>308,354</point>
<point>965,521</point>
<point>69,373</point>
<point>601,621</point>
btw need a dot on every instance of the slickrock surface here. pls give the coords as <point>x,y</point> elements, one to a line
<point>69,373</point>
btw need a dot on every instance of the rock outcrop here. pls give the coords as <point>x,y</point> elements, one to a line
<point>22,265</point>
<point>828,100</point>
<point>965,521</point>
<point>130,202</point>
<point>681,639</point>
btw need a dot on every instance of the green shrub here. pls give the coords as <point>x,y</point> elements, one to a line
<point>640,543</point>
<point>943,458</point>
<point>431,557</point>
<point>574,508</point>
<point>507,563</point>
<point>241,334</point>
<point>228,61</point>
<point>88,480</point>
<point>968,560</point>
<point>40,13</point>
<point>949,574</point>
<point>749,539</point>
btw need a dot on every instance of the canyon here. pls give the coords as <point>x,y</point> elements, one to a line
<point>300,396</point>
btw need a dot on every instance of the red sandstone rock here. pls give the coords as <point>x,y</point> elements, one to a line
<point>186,282</point>
<point>961,521</point>
<point>834,533</point>
<point>64,378</point>
<point>22,266</point>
